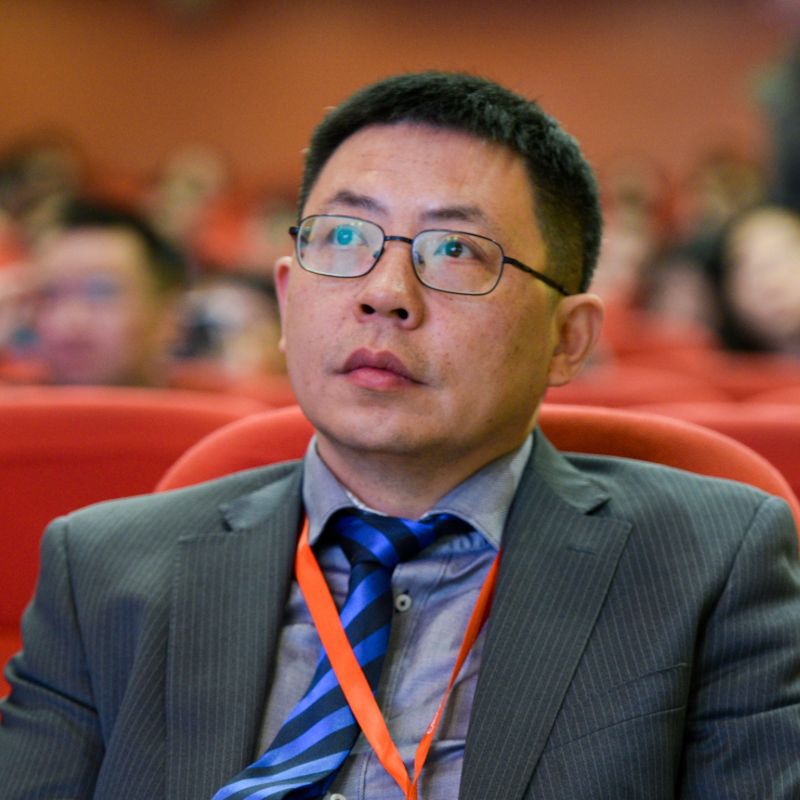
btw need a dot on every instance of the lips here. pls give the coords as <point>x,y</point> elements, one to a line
<point>377,370</point>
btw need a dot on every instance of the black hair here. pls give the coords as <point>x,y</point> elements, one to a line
<point>167,264</point>
<point>564,188</point>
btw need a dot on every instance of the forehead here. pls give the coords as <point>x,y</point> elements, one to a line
<point>766,231</point>
<point>93,250</point>
<point>419,169</point>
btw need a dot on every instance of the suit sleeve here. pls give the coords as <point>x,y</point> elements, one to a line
<point>743,726</point>
<point>50,740</point>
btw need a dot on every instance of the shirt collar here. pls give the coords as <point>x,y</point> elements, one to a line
<point>483,499</point>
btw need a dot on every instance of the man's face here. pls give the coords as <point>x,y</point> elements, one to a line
<point>763,281</point>
<point>98,308</point>
<point>382,364</point>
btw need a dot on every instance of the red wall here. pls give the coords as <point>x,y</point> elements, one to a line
<point>130,81</point>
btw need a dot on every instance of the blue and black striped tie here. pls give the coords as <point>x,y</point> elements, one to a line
<point>314,741</point>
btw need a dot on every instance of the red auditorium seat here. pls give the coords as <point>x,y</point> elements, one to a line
<point>274,391</point>
<point>631,333</point>
<point>619,384</point>
<point>786,395</point>
<point>773,430</point>
<point>741,376</point>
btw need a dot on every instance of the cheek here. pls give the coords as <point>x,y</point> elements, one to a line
<point>313,311</point>
<point>305,336</point>
<point>501,356</point>
<point>131,324</point>
<point>115,333</point>
<point>522,345</point>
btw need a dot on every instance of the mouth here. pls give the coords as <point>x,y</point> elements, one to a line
<point>73,348</point>
<point>377,370</point>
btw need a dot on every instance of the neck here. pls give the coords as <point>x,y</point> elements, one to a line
<point>399,485</point>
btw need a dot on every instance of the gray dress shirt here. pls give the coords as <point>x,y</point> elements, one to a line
<point>434,597</point>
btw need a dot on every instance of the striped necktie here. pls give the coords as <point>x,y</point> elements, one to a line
<point>319,733</point>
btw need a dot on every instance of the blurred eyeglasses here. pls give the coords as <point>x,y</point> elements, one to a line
<point>95,290</point>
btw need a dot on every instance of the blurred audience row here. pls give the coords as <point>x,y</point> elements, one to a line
<point>164,287</point>
<point>170,284</point>
<point>720,256</point>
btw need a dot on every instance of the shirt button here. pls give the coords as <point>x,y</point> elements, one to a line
<point>336,796</point>
<point>402,603</point>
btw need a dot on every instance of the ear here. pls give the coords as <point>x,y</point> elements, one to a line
<point>281,277</point>
<point>578,320</point>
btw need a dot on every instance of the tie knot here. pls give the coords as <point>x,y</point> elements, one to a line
<point>365,536</point>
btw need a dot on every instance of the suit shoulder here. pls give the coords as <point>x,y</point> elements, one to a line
<point>680,505</point>
<point>622,475</point>
<point>171,513</point>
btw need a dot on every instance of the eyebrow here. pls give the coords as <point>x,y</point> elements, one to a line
<point>460,213</point>
<point>355,201</point>
<point>363,202</point>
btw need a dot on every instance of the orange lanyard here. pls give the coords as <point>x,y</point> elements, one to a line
<point>355,686</point>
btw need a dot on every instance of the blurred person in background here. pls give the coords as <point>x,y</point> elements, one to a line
<point>722,184</point>
<point>39,176</point>
<point>779,94</point>
<point>106,291</point>
<point>191,183</point>
<point>637,221</point>
<point>17,299</point>
<point>264,232</point>
<point>240,235</point>
<point>756,271</point>
<point>232,319</point>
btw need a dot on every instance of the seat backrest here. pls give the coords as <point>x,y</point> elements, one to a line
<point>745,375</point>
<point>740,376</point>
<point>771,429</point>
<point>657,338</point>
<point>284,434</point>
<point>620,384</point>
<point>279,435</point>
<point>274,391</point>
<point>785,395</point>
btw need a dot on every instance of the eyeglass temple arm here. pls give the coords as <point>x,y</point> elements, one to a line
<point>536,274</point>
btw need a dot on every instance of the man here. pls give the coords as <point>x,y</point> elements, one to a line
<point>643,636</point>
<point>107,284</point>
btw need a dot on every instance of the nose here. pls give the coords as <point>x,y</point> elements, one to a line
<point>391,289</point>
<point>69,312</point>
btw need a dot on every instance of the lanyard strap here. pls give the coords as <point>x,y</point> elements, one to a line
<point>354,684</point>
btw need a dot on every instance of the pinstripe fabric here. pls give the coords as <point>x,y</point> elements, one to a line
<point>643,642</point>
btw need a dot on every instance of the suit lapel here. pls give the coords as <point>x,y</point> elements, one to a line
<point>228,601</point>
<point>557,566</point>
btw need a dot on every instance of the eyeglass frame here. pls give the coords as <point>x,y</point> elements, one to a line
<point>546,279</point>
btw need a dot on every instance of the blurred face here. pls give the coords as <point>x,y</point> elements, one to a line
<point>98,313</point>
<point>245,328</point>
<point>383,365</point>
<point>764,278</point>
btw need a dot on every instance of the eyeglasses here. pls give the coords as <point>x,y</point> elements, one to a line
<point>448,261</point>
<point>94,290</point>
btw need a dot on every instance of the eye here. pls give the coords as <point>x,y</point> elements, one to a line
<point>101,290</point>
<point>454,247</point>
<point>461,248</point>
<point>345,236</point>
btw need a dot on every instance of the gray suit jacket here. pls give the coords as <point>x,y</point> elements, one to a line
<point>644,641</point>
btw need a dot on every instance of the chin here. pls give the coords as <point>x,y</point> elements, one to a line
<point>361,431</point>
